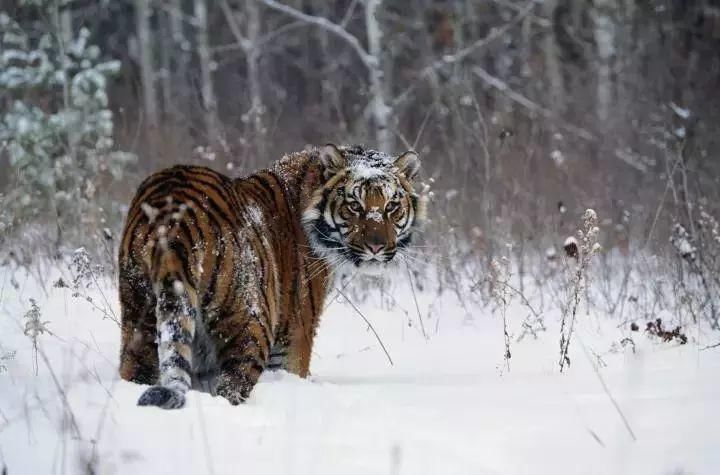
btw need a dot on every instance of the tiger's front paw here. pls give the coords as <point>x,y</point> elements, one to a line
<point>236,392</point>
<point>163,397</point>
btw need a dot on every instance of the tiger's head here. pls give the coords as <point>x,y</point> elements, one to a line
<point>367,209</point>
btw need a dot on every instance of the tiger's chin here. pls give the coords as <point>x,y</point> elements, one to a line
<point>370,268</point>
<point>374,268</point>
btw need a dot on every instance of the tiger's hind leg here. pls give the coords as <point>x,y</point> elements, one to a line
<point>138,349</point>
<point>176,314</point>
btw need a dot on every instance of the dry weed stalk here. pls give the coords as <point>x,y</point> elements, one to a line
<point>5,356</point>
<point>34,327</point>
<point>588,247</point>
<point>499,277</point>
<point>85,278</point>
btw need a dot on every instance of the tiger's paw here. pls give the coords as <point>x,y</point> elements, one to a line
<point>163,397</point>
<point>235,392</point>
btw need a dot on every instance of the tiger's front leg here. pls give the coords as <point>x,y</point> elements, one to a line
<point>243,349</point>
<point>299,350</point>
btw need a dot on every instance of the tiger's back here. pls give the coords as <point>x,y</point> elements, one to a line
<point>217,273</point>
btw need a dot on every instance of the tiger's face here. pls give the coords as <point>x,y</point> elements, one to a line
<point>367,209</point>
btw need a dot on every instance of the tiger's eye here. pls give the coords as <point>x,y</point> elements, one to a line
<point>392,206</point>
<point>355,207</point>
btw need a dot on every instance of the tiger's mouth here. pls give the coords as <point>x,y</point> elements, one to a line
<point>365,257</point>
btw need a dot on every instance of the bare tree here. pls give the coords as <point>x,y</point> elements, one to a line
<point>381,111</point>
<point>552,61</point>
<point>250,42</point>
<point>209,102</point>
<point>145,54</point>
<point>604,33</point>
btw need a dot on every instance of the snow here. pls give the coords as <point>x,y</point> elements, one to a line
<point>374,214</point>
<point>254,215</point>
<point>150,212</point>
<point>681,112</point>
<point>365,170</point>
<point>444,407</point>
<point>680,240</point>
<point>557,157</point>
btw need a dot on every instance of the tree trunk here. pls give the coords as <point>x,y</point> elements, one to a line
<point>552,62</point>
<point>179,59</point>
<point>381,111</point>
<point>206,72</point>
<point>604,32</point>
<point>252,56</point>
<point>165,65</point>
<point>145,53</point>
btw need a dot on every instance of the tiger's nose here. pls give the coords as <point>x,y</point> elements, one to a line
<point>376,248</point>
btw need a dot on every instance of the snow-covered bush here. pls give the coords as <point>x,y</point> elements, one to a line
<point>56,129</point>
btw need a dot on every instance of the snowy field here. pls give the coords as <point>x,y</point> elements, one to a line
<point>448,405</point>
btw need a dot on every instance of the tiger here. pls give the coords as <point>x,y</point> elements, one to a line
<point>221,278</point>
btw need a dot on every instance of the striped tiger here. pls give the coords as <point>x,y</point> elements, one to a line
<point>222,278</point>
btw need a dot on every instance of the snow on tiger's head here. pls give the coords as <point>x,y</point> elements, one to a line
<point>367,209</point>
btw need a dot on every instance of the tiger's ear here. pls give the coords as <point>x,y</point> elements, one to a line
<point>332,160</point>
<point>408,164</point>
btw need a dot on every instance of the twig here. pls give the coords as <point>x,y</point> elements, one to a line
<point>607,391</point>
<point>417,306</point>
<point>539,21</point>
<point>709,347</point>
<point>109,312</point>
<point>63,396</point>
<point>463,53</point>
<point>524,299</point>
<point>348,13</point>
<point>344,286</point>
<point>367,59</point>
<point>93,459</point>
<point>514,96</point>
<point>242,42</point>
<point>357,310</point>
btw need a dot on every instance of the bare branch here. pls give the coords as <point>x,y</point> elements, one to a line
<point>348,13</point>
<point>367,59</point>
<point>514,96</point>
<point>417,306</point>
<point>243,42</point>
<point>710,346</point>
<point>460,55</point>
<point>539,21</point>
<point>63,396</point>
<point>279,32</point>
<point>357,310</point>
<point>606,389</point>
<point>495,34</point>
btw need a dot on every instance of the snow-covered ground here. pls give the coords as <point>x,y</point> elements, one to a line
<point>446,406</point>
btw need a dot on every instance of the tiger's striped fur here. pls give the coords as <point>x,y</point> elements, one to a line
<point>220,278</point>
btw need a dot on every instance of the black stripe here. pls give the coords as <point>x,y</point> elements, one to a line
<point>404,241</point>
<point>243,340</point>
<point>220,243</point>
<point>222,187</point>
<point>175,361</point>
<point>260,191</point>
<point>234,362</point>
